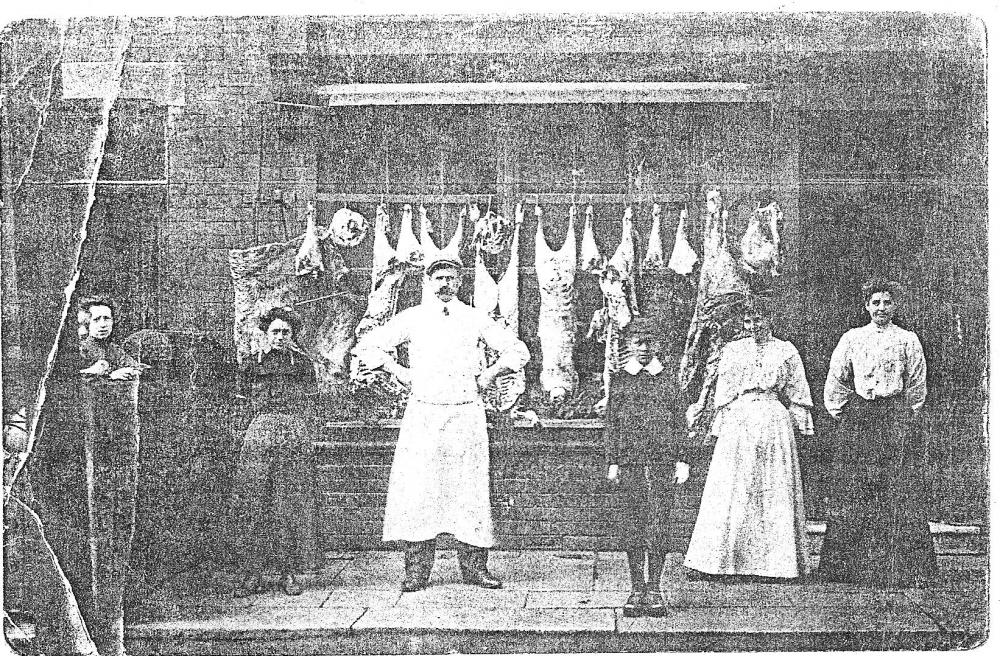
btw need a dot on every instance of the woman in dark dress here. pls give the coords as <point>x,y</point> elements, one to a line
<point>878,533</point>
<point>274,506</point>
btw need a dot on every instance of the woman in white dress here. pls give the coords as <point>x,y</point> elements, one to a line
<point>752,518</point>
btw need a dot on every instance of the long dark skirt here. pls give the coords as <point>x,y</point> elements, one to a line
<point>878,532</point>
<point>273,520</point>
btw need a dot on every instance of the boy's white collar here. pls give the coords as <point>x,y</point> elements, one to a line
<point>633,367</point>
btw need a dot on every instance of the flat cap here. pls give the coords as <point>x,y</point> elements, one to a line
<point>443,261</point>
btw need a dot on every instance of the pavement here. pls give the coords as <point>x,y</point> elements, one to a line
<point>552,602</point>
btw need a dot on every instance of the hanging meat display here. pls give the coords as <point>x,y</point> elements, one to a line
<point>263,278</point>
<point>509,286</point>
<point>309,258</point>
<point>683,257</point>
<point>556,325</point>
<point>717,317</point>
<point>760,244</point>
<point>347,228</point>
<point>430,249</point>
<point>453,248</point>
<point>382,253</point>
<point>654,247</point>
<point>623,260</point>
<point>408,248</point>
<point>501,300</point>
<point>491,233</point>
<point>389,268</point>
<point>617,284</point>
<point>485,292</point>
<point>335,338</point>
<point>591,259</point>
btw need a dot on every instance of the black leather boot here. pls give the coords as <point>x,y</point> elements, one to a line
<point>472,563</point>
<point>418,560</point>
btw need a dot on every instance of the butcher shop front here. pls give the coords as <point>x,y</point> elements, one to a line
<point>585,170</point>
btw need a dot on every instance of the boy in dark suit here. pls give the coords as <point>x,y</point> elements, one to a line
<point>644,437</point>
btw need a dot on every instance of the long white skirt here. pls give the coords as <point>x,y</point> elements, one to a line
<point>752,518</point>
<point>440,477</point>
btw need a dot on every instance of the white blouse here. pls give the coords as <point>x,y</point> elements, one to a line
<point>774,368</point>
<point>445,348</point>
<point>875,363</point>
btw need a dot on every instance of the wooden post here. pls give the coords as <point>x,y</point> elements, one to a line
<point>112,452</point>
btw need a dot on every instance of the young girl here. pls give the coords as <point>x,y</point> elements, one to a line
<point>645,439</point>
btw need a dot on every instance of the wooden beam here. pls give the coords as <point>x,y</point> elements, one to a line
<point>535,93</point>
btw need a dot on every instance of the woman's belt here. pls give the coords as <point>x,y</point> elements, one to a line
<point>426,402</point>
<point>895,398</point>
<point>760,394</point>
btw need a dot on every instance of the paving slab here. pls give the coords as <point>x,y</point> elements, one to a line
<point>463,595</point>
<point>903,618</point>
<point>379,570</point>
<point>544,570</point>
<point>353,596</point>
<point>276,598</point>
<point>958,604</point>
<point>576,599</point>
<point>254,622</point>
<point>743,595</point>
<point>611,571</point>
<point>557,620</point>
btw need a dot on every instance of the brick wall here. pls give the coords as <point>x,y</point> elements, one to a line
<point>549,490</point>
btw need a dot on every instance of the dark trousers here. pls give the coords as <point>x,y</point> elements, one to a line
<point>419,559</point>
<point>647,493</point>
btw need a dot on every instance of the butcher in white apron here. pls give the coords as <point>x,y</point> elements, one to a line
<point>439,482</point>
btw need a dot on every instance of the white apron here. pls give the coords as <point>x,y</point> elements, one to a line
<point>439,482</point>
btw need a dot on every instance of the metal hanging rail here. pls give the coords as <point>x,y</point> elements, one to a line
<point>527,198</point>
<point>543,93</point>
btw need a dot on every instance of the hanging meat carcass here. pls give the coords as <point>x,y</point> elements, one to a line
<point>654,248</point>
<point>683,257</point>
<point>717,318</point>
<point>623,260</point>
<point>347,228</point>
<point>760,243</point>
<point>453,248</point>
<point>431,250</point>
<point>335,338</point>
<point>556,324</point>
<point>408,248</point>
<point>309,259</point>
<point>389,268</point>
<point>508,287</point>
<point>382,253</point>
<point>508,387</point>
<point>491,233</point>
<point>485,292</point>
<point>591,259</point>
